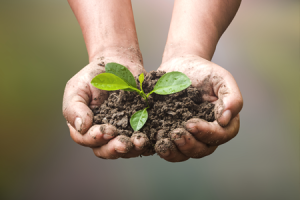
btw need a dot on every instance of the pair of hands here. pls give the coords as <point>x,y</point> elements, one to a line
<point>200,138</point>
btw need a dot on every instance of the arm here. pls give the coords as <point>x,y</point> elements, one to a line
<point>110,36</point>
<point>107,27</point>
<point>195,30</point>
<point>197,26</point>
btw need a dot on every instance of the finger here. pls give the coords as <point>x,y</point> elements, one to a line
<point>140,141</point>
<point>168,151</point>
<point>79,95</point>
<point>230,101</point>
<point>96,136</point>
<point>211,132</point>
<point>140,145</point>
<point>148,152</point>
<point>189,146</point>
<point>115,148</point>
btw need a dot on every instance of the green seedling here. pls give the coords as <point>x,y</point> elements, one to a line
<point>118,77</point>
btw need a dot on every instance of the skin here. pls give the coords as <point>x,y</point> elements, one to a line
<point>201,138</point>
<point>195,30</point>
<point>110,36</point>
<point>109,33</point>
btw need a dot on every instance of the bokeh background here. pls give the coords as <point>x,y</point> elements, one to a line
<point>41,48</point>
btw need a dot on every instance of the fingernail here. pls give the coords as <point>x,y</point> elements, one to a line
<point>107,133</point>
<point>124,144</point>
<point>138,143</point>
<point>121,148</point>
<point>78,124</point>
<point>191,127</point>
<point>107,136</point>
<point>225,118</point>
<point>180,142</point>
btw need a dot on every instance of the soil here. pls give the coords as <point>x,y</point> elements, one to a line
<point>166,112</point>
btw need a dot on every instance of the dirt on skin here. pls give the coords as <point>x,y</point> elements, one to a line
<point>166,112</point>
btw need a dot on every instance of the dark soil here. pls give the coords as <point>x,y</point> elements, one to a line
<point>166,112</point>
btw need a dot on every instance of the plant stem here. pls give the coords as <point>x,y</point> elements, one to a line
<point>147,102</point>
<point>144,96</point>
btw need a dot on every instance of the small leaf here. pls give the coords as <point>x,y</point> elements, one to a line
<point>122,72</point>
<point>171,82</point>
<point>138,119</point>
<point>110,82</point>
<point>141,79</point>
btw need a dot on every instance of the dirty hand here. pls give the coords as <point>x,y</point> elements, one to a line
<point>201,138</point>
<point>79,97</point>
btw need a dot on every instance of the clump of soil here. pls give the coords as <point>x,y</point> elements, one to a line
<point>166,112</point>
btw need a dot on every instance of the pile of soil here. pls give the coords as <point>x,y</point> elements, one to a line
<point>166,112</point>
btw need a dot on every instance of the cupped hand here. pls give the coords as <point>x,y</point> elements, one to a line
<point>80,96</point>
<point>201,138</point>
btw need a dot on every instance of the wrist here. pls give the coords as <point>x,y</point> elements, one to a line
<point>131,53</point>
<point>176,50</point>
<point>130,57</point>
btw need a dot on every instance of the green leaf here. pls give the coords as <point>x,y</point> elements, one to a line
<point>141,79</point>
<point>122,72</point>
<point>138,119</point>
<point>130,90</point>
<point>170,83</point>
<point>110,82</point>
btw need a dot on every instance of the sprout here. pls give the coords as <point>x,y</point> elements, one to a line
<point>118,77</point>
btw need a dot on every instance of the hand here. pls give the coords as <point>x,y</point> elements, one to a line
<point>201,138</point>
<point>80,96</point>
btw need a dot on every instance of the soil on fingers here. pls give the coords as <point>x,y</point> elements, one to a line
<point>165,112</point>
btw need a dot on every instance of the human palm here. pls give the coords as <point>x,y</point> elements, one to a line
<point>217,86</point>
<point>80,97</point>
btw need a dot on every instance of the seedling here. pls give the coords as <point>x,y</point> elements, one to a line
<point>118,77</point>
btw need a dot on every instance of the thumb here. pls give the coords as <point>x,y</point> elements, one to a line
<point>79,96</point>
<point>75,107</point>
<point>230,101</point>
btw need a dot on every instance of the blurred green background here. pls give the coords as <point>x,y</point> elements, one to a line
<point>41,48</point>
